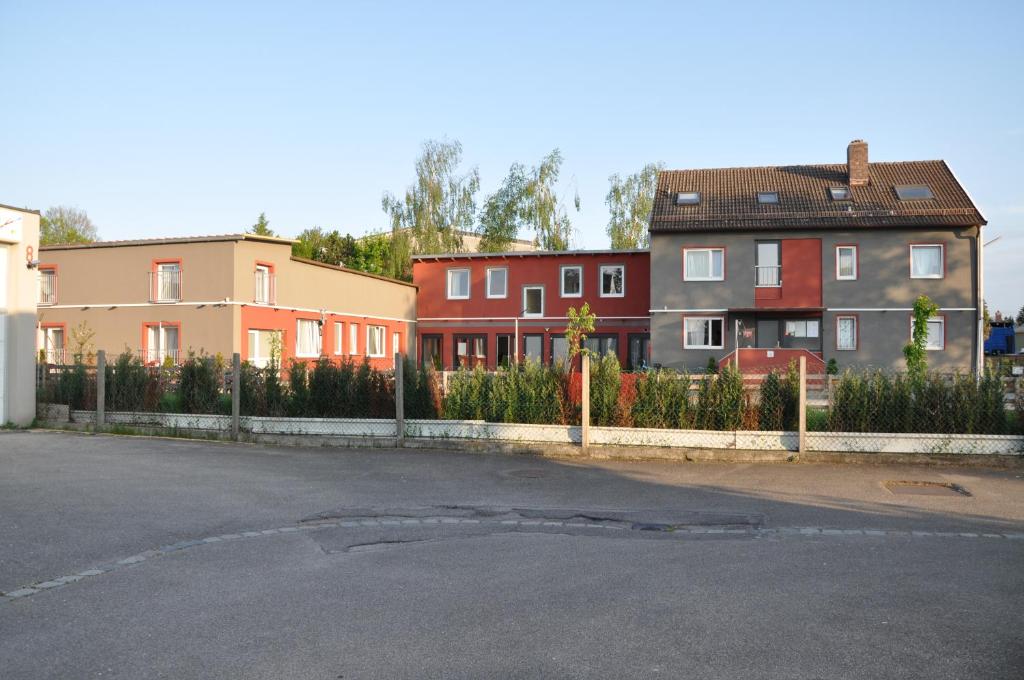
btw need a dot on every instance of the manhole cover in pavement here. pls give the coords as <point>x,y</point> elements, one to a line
<point>526,473</point>
<point>913,488</point>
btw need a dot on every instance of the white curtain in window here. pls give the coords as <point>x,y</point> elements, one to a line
<point>926,260</point>
<point>307,338</point>
<point>168,281</point>
<point>611,280</point>
<point>936,334</point>
<point>847,333</point>
<point>375,341</point>
<point>458,283</point>
<point>698,264</point>
<point>169,346</point>
<point>697,332</point>
<point>846,262</point>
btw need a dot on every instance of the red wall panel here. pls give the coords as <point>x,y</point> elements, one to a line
<point>801,276</point>
<point>432,300</point>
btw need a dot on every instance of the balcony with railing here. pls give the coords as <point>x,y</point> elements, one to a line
<point>57,356</point>
<point>47,287</point>
<point>265,287</point>
<point>159,357</point>
<point>165,285</point>
<point>768,276</point>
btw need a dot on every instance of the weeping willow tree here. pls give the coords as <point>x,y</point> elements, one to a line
<point>439,205</point>
<point>630,202</point>
<point>528,200</point>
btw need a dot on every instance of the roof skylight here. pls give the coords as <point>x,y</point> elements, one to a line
<point>688,198</point>
<point>840,193</point>
<point>768,197</point>
<point>914,192</point>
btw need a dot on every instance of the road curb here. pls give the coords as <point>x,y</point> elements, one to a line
<point>570,451</point>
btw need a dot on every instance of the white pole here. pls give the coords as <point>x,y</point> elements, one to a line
<point>516,342</point>
<point>979,370</point>
<point>736,343</point>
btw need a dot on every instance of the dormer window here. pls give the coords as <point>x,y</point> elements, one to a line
<point>840,193</point>
<point>914,192</point>
<point>770,197</point>
<point>688,198</point>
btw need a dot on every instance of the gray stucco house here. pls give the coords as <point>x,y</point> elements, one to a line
<point>820,260</point>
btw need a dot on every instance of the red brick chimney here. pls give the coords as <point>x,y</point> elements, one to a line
<point>857,162</point>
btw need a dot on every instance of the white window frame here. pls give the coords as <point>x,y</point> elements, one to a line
<point>396,345</point>
<point>494,296</point>
<point>711,277</point>
<point>264,293</point>
<point>856,264</point>
<point>844,317</point>
<point>942,260</point>
<point>353,339</point>
<point>469,283</point>
<point>162,351</point>
<point>381,332</point>
<point>561,280</point>
<point>255,358</point>
<point>319,339</point>
<point>941,320</point>
<point>600,281</point>
<point>807,324</point>
<point>339,332</point>
<point>532,315</point>
<point>709,319</point>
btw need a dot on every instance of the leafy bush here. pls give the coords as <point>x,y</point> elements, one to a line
<point>199,384</point>
<point>420,391</point>
<point>924,402</point>
<point>298,390</point>
<point>720,401</point>
<point>72,385</point>
<point>127,381</point>
<point>663,400</point>
<point>605,384</point>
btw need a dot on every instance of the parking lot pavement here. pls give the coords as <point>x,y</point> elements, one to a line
<point>152,558</point>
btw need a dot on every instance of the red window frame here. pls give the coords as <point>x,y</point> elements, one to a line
<point>50,267</point>
<point>856,332</point>
<point>146,325</point>
<point>181,274</point>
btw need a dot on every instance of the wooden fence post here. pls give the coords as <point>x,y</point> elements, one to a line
<point>399,400</point>
<point>585,403</point>
<point>801,446</point>
<point>101,388</point>
<point>236,394</point>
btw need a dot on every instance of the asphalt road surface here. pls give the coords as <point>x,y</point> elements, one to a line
<point>153,558</point>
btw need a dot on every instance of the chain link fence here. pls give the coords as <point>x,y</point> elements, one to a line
<point>710,409</point>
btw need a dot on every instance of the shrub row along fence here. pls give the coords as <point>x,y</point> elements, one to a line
<point>335,393</point>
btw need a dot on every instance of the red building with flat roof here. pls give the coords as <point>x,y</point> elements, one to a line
<point>488,308</point>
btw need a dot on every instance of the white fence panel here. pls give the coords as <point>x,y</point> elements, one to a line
<point>478,429</point>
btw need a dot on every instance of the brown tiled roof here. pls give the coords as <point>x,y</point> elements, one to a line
<point>728,199</point>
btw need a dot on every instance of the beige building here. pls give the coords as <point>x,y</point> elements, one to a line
<point>162,298</point>
<point>19,246</point>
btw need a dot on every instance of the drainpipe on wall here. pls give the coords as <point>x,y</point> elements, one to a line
<point>980,357</point>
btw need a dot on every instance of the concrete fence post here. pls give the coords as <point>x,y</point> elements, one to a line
<point>236,394</point>
<point>585,402</point>
<point>101,387</point>
<point>399,400</point>
<point>802,444</point>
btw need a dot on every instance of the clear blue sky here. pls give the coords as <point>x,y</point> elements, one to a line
<point>190,118</point>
